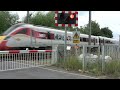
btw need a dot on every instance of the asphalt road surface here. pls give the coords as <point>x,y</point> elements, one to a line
<point>40,73</point>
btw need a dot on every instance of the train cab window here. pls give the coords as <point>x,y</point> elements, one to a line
<point>23,31</point>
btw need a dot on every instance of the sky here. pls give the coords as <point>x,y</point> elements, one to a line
<point>109,19</point>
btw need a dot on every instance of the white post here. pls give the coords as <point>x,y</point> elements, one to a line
<point>54,54</point>
<point>119,40</point>
<point>103,58</point>
<point>83,64</point>
<point>65,45</point>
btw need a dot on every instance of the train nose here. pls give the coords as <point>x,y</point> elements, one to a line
<point>2,42</point>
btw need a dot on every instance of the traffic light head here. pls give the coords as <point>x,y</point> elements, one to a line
<point>66,18</point>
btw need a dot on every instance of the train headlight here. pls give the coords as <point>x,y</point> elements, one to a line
<point>2,38</point>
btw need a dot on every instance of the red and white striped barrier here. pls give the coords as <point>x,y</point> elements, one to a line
<point>25,51</point>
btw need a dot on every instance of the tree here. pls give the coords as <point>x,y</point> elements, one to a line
<point>95,29</point>
<point>6,20</point>
<point>81,29</point>
<point>47,19</point>
<point>106,32</point>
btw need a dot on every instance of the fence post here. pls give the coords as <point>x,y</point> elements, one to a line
<point>118,54</point>
<point>54,54</point>
<point>83,63</point>
<point>98,53</point>
<point>103,58</point>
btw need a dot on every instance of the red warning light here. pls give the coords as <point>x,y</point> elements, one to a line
<point>71,16</point>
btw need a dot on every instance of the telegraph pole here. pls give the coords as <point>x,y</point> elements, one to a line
<point>89,28</point>
<point>89,43</point>
<point>27,16</point>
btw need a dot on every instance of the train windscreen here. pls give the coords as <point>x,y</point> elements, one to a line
<point>12,28</point>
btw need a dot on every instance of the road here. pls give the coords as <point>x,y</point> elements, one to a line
<point>40,73</point>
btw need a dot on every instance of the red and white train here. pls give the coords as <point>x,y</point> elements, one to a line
<point>22,36</point>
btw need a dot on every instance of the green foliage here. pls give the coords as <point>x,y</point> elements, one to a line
<point>6,20</point>
<point>44,19</point>
<point>96,31</point>
<point>106,32</point>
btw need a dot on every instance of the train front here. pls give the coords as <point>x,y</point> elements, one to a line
<point>2,43</point>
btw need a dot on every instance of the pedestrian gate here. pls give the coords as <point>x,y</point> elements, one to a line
<point>19,59</point>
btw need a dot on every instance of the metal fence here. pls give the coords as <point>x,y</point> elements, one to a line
<point>15,59</point>
<point>94,58</point>
<point>89,58</point>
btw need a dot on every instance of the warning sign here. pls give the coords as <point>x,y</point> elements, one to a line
<point>76,37</point>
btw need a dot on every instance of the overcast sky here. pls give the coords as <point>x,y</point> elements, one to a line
<point>109,19</point>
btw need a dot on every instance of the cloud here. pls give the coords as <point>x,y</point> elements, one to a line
<point>109,19</point>
<point>83,18</point>
<point>81,13</point>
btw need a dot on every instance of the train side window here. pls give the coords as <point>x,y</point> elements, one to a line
<point>23,31</point>
<point>92,40</point>
<point>48,35</point>
<point>80,38</point>
<point>84,39</point>
<point>96,40</point>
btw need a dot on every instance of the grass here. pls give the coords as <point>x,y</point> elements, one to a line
<point>72,63</point>
<point>111,69</point>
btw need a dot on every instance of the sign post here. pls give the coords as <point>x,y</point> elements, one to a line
<point>76,39</point>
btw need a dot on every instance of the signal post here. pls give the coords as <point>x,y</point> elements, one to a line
<point>66,19</point>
